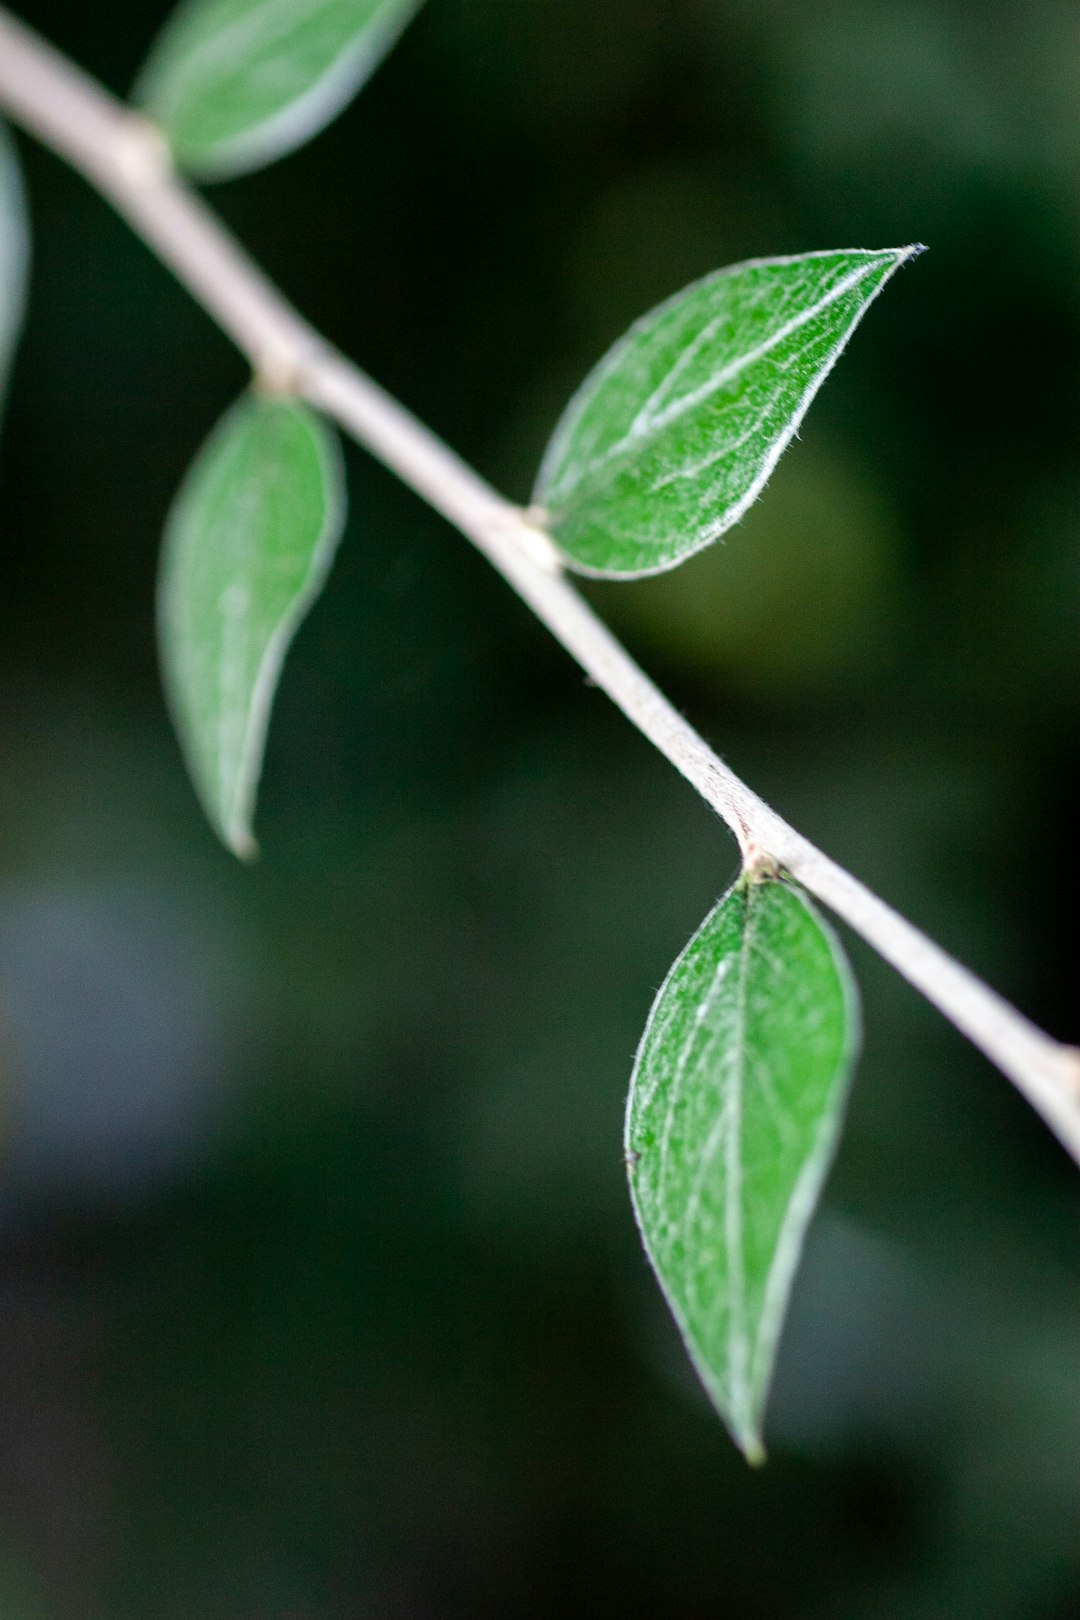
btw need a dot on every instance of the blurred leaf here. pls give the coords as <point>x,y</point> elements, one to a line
<point>248,544</point>
<point>14,255</point>
<point>676,431</point>
<point>734,1113</point>
<point>237,83</point>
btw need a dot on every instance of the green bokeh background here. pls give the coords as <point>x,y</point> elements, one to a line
<point>320,1297</point>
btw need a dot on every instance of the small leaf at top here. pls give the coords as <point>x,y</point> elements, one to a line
<point>235,84</point>
<point>247,546</point>
<point>14,255</point>
<point>734,1113</point>
<point>676,431</point>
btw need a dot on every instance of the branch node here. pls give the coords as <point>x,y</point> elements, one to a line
<point>758,864</point>
<point>533,537</point>
<point>142,151</point>
<point>1072,1060</point>
<point>278,372</point>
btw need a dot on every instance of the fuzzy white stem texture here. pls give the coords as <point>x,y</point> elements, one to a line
<point>127,160</point>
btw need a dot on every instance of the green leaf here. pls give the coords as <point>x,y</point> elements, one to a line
<point>676,431</point>
<point>14,256</point>
<point>235,84</point>
<point>248,543</point>
<point>734,1113</point>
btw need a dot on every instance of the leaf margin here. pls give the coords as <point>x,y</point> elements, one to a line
<point>14,281</point>
<point>291,127</point>
<point>809,1183</point>
<point>234,828</point>
<point>608,363</point>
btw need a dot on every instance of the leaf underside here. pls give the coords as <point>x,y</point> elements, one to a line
<point>674,434</point>
<point>235,84</point>
<point>734,1112</point>
<point>14,255</point>
<point>247,546</point>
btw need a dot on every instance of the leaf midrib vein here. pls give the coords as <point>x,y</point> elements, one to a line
<point>642,431</point>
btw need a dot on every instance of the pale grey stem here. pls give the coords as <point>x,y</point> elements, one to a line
<point>127,160</point>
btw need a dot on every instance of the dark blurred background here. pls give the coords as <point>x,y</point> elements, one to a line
<point>320,1296</point>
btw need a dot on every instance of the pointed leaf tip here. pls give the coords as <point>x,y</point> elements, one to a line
<point>734,1113</point>
<point>675,433</point>
<point>248,543</point>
